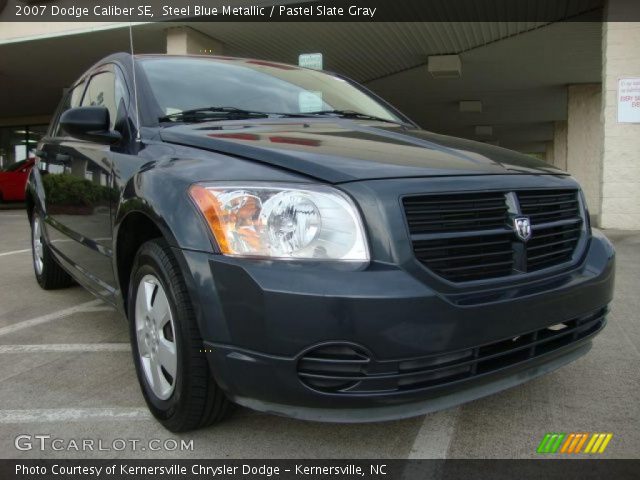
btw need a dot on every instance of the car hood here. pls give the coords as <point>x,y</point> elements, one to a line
<point>341,150</point>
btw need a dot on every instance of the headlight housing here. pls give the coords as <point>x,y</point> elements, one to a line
<point>283,221</point>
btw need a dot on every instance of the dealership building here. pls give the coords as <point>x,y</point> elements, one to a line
<point>567,90</point>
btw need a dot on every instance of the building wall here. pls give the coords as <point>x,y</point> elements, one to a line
<point>560,145</point>
<point>621,149</point>
<point>584,142</point>
<point>187,41</point>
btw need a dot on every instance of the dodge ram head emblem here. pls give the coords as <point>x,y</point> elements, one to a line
<point>522,226</point>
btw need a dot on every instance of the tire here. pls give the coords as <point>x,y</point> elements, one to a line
<point>49,274</point>
<point>167,347</point>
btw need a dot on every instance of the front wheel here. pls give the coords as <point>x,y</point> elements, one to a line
<point>172,368</point>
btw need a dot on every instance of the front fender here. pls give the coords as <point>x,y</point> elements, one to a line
<point>162,200</point>
<point>165,201</point>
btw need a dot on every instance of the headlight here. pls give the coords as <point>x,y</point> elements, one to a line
<point>286,222</point>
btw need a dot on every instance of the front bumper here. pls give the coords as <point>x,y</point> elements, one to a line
<point>258,319</point>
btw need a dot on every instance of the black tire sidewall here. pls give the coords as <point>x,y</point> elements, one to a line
<point>149,261</point>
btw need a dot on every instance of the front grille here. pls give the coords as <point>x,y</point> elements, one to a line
<point>358,372</point>
<point>551,243</point>
<point>446,213</point>
<point>467,258</point>
<point>470,236</point>
<point>549,206</point>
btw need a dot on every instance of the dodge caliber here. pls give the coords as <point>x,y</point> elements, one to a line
<point>283,239</point>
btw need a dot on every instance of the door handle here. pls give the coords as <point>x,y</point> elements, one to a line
<point>61,157</point>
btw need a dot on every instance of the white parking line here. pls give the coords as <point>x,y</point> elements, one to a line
<point>14,252</point>
<point>72,414</point>
<point>435,435</point>
<point>66,347</point>
<point>49,317</point>
<point>99,308</point>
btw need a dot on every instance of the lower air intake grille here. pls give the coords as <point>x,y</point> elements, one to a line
<point>329,367</point>
<point>344,369</point>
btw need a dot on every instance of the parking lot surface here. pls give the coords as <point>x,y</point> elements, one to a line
<point>67,374</point>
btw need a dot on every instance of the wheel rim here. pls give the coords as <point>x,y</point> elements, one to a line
<point>38,253</point>
<point>155,332</point>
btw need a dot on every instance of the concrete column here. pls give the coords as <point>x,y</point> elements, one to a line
<point>621,146</point>
<point>187,41</point>
<point>560,145</point>
<point>584,142</point>
<point>549,153</point>
<point>79,168</point>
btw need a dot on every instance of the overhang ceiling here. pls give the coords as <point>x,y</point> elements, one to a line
<point>518,70</point>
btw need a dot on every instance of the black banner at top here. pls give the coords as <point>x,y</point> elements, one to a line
<point>318,10</point>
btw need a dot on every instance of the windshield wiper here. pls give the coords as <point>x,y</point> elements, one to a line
<point>208,113</point>
<point>354,114</point>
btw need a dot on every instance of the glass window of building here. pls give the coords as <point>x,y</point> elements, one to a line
<point>18,143</point>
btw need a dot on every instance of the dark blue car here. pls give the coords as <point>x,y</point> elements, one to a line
<point>282,238</point>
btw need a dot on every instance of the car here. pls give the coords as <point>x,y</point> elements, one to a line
<point>283,239</point>
<point>13,180</point>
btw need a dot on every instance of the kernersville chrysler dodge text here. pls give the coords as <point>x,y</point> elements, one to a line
<point>282,238</point>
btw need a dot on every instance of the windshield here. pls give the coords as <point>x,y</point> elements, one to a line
<point>183,83</point>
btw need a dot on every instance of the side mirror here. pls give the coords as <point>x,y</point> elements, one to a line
<point>89,123</point>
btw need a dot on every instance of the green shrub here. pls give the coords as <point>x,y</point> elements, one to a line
<point>66,189</point>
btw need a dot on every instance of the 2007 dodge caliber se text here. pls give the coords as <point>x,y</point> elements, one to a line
<point>283,239</point>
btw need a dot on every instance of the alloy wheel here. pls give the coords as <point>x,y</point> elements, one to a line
<point>38,251</point>
<point>155,333</point>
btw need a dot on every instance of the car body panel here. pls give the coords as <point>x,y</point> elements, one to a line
<point>79,227</point>
<point>342,150</point>
<point>13,182</point>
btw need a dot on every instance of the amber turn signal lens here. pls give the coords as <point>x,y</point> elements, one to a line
<point>208,205</point>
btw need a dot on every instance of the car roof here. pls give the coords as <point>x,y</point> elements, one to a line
<point>224,59</point>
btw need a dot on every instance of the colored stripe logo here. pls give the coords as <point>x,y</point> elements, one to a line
<point>572,443</point>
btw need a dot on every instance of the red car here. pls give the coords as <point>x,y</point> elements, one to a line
<point>13,180</point>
